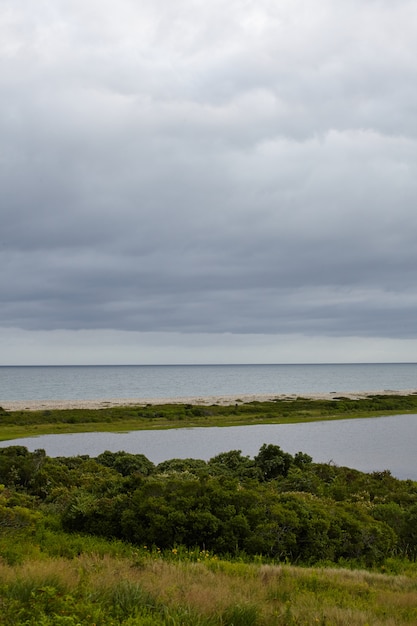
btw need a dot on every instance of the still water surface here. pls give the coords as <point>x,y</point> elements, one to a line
<point>373,444</point>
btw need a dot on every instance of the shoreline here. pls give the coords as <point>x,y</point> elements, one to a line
<point>223,400</point>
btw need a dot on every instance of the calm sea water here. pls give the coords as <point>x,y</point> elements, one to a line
<point>175,381</point>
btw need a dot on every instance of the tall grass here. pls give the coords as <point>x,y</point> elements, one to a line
<point>107,590</point>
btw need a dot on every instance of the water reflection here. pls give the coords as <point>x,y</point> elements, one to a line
<point>369,445</point>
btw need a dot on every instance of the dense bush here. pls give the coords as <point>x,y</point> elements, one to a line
<point>281,506</point>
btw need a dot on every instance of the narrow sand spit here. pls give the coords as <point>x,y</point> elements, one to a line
<point>102,403</point>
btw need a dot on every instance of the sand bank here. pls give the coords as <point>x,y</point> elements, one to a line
<point>42,405</point>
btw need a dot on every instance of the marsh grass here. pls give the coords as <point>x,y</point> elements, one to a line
<point>16,424</point>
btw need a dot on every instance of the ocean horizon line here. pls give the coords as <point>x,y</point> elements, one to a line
<point>324,363</point>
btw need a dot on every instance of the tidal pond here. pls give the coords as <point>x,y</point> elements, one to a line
<point>371,444</point>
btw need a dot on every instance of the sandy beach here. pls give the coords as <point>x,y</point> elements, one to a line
<point>42,405</point>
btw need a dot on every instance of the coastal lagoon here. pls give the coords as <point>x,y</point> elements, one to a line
<point>370,444</point>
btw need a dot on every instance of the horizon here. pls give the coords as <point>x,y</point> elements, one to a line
<point>212,364</point>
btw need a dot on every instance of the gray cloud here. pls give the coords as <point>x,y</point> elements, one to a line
<point>201,168</point>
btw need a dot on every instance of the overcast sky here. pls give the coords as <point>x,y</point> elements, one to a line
<point>192,182</point>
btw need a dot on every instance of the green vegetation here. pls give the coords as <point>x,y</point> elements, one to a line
<point>160,591</point>
<point>234,541</point>
<point>15,424</point>
<point>274,539</point>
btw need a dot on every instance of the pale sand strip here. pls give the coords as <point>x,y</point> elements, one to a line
<point>43,405</point>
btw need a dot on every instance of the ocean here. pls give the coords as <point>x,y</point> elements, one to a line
<point>176,381</point>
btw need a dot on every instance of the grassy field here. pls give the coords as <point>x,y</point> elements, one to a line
<point>15,424</point>
<point>198,590</point>
<point>114,591</point>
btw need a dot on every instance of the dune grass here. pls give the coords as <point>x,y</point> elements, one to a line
<point>108,590</point>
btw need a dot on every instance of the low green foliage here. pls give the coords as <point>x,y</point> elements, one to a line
<point>16,424</point>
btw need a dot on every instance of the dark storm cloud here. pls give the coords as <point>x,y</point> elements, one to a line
<point>202,168</point>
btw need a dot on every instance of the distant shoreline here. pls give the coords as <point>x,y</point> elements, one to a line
<point>223,400</point>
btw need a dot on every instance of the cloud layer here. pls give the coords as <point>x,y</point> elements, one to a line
<point>194,167</point>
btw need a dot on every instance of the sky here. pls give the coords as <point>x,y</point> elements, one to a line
<point>208,182</point>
